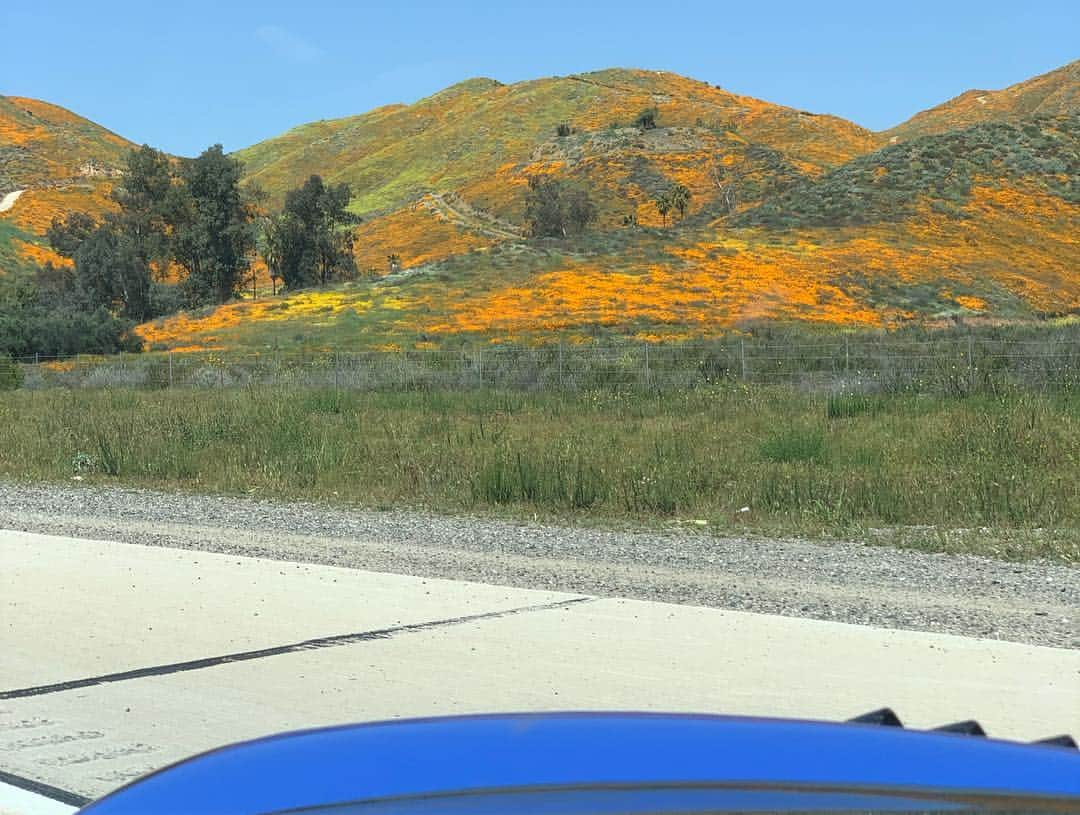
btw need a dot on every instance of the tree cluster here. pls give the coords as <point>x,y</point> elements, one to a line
<point>311,241</point>
<point>557,209</point>
<point>676,199</point>
<point>44,315</point>
<point>190,214</point>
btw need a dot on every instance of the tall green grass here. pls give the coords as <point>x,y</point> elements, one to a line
<point>992,474</point>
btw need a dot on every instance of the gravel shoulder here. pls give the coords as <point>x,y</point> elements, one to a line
<point>1037,603</point>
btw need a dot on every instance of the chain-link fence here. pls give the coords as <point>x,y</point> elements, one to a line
<point>858,364</point>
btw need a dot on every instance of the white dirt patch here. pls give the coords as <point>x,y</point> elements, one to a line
<point>8,201</point>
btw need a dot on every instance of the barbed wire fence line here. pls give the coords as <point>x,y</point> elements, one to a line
<point>887,365</point>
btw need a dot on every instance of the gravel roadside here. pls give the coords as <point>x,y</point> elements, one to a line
<point>1037,603</point>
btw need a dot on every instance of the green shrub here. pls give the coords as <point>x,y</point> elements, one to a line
<point>589,488</point>
<point>849,405</point>
<point>11,374</point>
<point>495,483</point>
<point>795,444</point>
<point>646,120</point>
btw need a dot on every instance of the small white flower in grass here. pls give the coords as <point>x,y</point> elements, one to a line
<point>744,510</point>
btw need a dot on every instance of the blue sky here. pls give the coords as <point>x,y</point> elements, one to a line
<point>183,75</point>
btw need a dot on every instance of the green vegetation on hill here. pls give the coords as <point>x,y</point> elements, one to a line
<point>1049,94</point>
<point>47,318</point>
<point>10,260</point>
<point>45,144</point>
<point>889,183</point>
<point>693,198</point>
<point>464,137</point>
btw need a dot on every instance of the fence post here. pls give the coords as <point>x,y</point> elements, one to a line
<point>647,373</point>
<point>337,372</point>
<point>480,366</point>
<point>562,385</point>
<point>742,355</point>
<point>170,370</point>
<point>847,354</point>
<point>37,358</point>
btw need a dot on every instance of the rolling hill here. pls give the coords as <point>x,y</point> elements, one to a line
<point>970,210</point>
<point>62,163</point>
<point>479,136</point>
<point>1050,94</point>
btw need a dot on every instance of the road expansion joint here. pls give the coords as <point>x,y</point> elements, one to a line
<point>290,648</point>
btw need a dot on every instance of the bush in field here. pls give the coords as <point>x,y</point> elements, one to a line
<point>795,444</point>
<point>11,375</point>
<point>646,120</point>
<point>850,405</point>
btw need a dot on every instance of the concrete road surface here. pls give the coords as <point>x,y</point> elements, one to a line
<point>118,659</point>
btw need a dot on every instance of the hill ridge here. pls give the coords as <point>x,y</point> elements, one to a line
<point>1029,97</point>
<point>792,215</point>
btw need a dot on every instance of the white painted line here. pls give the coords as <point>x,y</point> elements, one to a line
<point>15,801</point>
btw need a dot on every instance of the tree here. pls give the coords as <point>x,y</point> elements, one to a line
<point>114,260</point>
<point>66,236</point>
<point>675,198</point>
<point>149,197</point>
<point>334,247</point>
<point>727,180</point>
<point>554,209</point>
<point>311,241</point>
<point>543,209</point>
<point>276,242</point>
<point>563,130</point>
<point>111,268</point>
<point>581,212</point>
<point>646,120</point>
<point>680,199</point>
<point>663,205</point>
<point>213,227</point>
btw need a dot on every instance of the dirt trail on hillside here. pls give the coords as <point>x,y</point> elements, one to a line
<point>457,211</point>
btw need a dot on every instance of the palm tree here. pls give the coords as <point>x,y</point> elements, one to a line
<point>663,206</point>
<point>680,199</point>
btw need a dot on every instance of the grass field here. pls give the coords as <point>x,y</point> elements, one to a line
<point>995,475</point>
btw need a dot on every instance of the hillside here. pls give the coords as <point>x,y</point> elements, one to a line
<point>481,139</point>
<point>793,216</point>
<point>62,163</point>
<point>1051,94</point>
<point>980,224</point>
<point>891,183</point>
